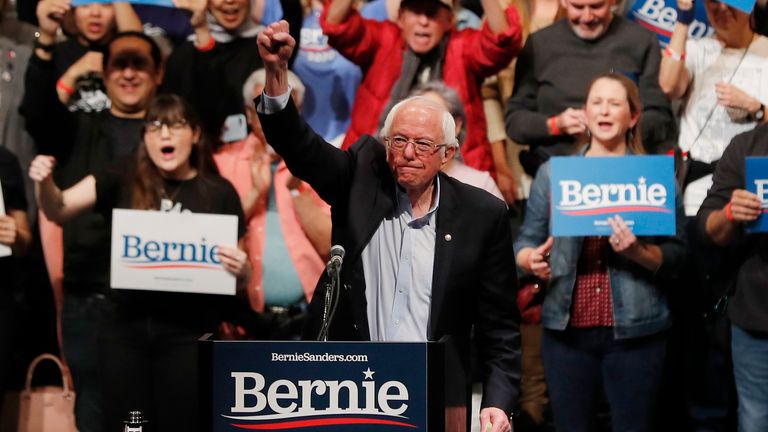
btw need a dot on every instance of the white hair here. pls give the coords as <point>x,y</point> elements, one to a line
<point>259,76</point>
<point>449,126</point>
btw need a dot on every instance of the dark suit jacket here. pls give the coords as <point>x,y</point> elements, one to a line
<point>473,280</point>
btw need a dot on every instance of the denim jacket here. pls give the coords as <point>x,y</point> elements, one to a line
<point>639,306</point>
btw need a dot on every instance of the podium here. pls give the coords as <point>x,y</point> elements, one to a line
<point>333,386</point>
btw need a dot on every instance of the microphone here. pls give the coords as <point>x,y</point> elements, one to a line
<point>331,300</point>
<point>337,258</point>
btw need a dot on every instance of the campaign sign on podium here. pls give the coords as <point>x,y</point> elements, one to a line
<point>756,170</point>
<point>318,386</point>
<point>171,251</point>
<point>586,191</point>
<point>165,3</point>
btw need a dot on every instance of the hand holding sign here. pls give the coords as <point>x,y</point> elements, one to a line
<point>623,240</point>
<point>234,261</point>
<point>744,206</point>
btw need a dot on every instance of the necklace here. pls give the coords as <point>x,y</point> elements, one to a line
<point>166,202</point>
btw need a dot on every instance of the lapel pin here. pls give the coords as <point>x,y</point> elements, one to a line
<point>448,237</point>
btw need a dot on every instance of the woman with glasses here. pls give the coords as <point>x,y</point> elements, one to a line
<point>148,344</point>
<point>604,315</point>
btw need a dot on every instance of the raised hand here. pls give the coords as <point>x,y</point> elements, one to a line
<point>49,15</point>
<point>276,46</point>
<point>41,168</point>
<point>198,9</point>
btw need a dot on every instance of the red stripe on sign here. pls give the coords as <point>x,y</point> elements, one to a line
<point>322,422</point>
<point>615,210</point>
<point>173,266</point>
<point>654,28</point>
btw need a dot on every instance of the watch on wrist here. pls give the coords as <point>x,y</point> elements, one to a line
<point>759,115</point>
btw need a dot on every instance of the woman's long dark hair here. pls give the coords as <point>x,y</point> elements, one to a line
<point>147,188</point>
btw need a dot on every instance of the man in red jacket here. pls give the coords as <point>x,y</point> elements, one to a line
<point>423,46</point>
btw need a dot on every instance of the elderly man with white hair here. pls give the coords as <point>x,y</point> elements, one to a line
<point>426,255</point>
<point>285,217</point>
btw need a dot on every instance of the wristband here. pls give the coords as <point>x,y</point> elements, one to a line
<point>686,17</point>
<point>64,87</point>
<point>729,213</point>
<point>552,123</point>
<point>674,55</point>
<point>45,47</point>
<point>208,46</point>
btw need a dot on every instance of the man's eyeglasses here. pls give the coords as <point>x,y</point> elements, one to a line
<point>421,147</point>
<point>174,127</point>
<point>129,60</point>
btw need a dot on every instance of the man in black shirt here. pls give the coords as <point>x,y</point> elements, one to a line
<point>722,217</point>
<point>759,18</point>
<point>84,143</point>
<point>14,234</point>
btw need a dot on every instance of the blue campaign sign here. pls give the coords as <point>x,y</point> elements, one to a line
<point>745,6</point>
<point>588,190</point>
<point>165,3</point>
<point>319,386</point>
<point>757,183</point>
<point>660,16</point>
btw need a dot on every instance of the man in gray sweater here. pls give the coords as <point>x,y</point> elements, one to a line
<point>558,63</point>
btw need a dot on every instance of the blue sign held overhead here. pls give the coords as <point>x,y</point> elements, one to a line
<point>745,6</point>
<point>660,16</point>
<point>164,3</point>
<point>757,183</point>
<point>586,191</point>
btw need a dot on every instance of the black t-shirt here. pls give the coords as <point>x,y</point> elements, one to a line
<point>12,183</point>
<point>201,194</point>
<point>90,94</point>
<point>212,81</point>
<point>748,308</point>
<point>759,20</point>
<point>101,139</point>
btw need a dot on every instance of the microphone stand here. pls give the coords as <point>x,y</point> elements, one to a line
<point>332,294</point>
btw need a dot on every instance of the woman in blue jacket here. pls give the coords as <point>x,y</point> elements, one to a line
<point>604,314</point>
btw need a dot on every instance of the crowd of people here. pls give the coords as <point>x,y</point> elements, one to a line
<point>364,129</point>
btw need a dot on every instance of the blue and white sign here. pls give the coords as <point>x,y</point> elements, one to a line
<point>319,386</point>
<point>660,16</point>
<point>745,6</point>
<point>757,183</point>
<point>165,3</point>
<point>586,191</point>
<point>171,251</point>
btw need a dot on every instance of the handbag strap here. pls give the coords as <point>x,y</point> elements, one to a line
<point>33,366</point>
